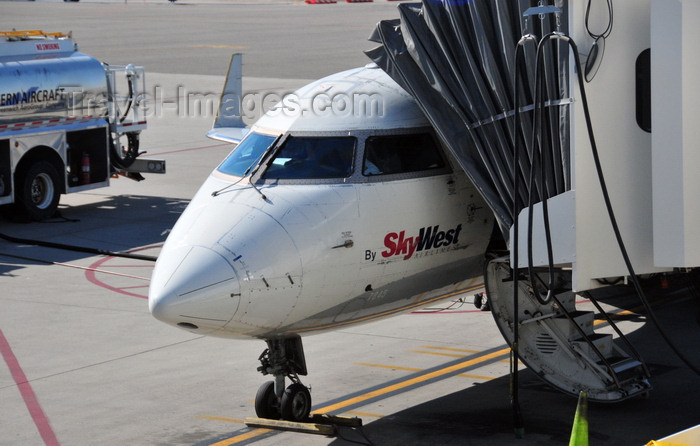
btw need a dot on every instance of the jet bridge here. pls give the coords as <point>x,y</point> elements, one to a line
<point>548,106</point>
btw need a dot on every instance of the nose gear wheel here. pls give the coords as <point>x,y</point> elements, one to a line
<point>266,402</point>
<point>296,402</point>
<point>284,358</point>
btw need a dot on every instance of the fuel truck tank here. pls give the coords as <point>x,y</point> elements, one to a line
<point>44,79</point>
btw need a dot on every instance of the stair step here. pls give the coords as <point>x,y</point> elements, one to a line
<point>584,319</point>
<point>555,345</point>
<point>567,299</point>
<point>629,366</point>
<point>603,342</point>
<point>627,369</point>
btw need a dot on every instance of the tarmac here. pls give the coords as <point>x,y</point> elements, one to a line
<point>83,362</point>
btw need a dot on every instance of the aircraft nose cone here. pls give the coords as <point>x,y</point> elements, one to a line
<point>194,288</point>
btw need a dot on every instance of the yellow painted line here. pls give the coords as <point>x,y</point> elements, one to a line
<point>411,382</point>
<point>364,414</point>
<point>389,312</point>
<point>226,419</point>
<point>392,367</point>
<point>242,437</point>
<point>453,355</point>
<point>636,310</point>
<point>481,377</point>
<point>414,369</point>
<point>450,349</point>
<point>613,316</point>
<point>450,355</point>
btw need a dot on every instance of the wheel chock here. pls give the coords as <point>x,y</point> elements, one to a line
<point>319,424</point>
<point>336,420</point>
<point>292,426</point>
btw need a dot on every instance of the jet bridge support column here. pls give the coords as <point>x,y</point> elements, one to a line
<point>554,338</point>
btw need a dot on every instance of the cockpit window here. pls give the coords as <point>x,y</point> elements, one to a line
<point>313,158</point>
<point>246,155</point>
<point>395,154</point>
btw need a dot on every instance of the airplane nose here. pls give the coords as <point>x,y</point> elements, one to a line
<point>194,288</point>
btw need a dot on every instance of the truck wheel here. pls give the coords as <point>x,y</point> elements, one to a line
<point>122,156</point>
<point>38,192</point>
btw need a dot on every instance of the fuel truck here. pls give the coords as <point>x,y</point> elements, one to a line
<point>68,122</point>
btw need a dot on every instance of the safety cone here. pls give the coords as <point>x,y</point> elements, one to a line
<point>579,432</point>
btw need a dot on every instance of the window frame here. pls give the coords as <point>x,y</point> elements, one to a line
<point>440,170</point>
<point>218,171</point>
<point>357,176</point>
<point>292,136</point>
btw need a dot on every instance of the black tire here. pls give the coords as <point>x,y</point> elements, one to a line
<point>481,302</point>
<point>38,191</point>
<point>296,403</point>
<point>266,404</point>
<point>122,157</point>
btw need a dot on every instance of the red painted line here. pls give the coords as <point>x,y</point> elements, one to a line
<point>444,311</point>
<point>91,277</point>
<point>133,287</point>
<point>91,274</point>
<point>25,389</point>
<point>191,149</point>
<point>127,266</point>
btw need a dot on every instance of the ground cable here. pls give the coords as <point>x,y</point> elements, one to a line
<point>84,249</point>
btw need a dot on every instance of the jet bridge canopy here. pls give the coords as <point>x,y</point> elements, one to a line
<point>457,60</point>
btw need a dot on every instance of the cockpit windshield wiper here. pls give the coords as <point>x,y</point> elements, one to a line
<point>252,167</point>
<point>266,159</point>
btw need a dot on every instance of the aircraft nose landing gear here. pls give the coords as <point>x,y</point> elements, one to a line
<point>284,357</point>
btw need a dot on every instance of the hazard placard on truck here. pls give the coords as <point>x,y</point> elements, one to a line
<point>68,122</point>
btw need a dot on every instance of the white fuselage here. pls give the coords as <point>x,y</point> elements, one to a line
<point>267,252</point>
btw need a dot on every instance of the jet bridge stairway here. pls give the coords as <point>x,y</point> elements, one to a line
<point>558,342</point>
